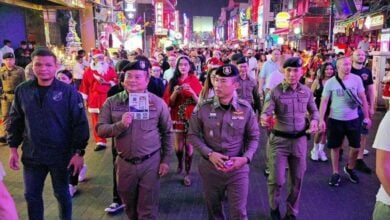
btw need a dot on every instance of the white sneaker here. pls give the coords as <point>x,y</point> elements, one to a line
<point>314,154</point>
<point>83,173</point>
<point>114,207</point>
<point>366,152</point>
<point>72,190</point>
<point>322,156</point>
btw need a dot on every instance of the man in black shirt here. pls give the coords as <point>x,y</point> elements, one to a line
<point>358,68</point>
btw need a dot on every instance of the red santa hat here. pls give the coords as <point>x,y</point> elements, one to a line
<point>96,53</point>
<point>214,62</point>
<point>156,65</point>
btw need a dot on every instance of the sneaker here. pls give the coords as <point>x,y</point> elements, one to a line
<point>351,175</point>
<point>275,214</point>
<point>72,190</point>
<point>114,207</point>
<point>99,147</point>
<point>335,180</point>
<point>361,166</point>
<point>322,156</point>
<point>314,154</point>
<point>83,173</point>
<point>366,152</point>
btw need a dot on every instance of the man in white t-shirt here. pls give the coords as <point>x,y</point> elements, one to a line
<point>343,118</point>
<point>252,64</point>
<point>382,146</point>
<point>168,74</point>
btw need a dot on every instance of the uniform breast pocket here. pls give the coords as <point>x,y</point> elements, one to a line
<point>211,129</point>
<point>151,123</point>
<point>303,104</point>
<point>285,106</point>
<point>236,129</point>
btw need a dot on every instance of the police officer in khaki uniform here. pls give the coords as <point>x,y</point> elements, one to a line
<point>289,101</point>
<point>11,76</point>
<point>248,89</point>
<point>144,146</point>
<point>226,133</point>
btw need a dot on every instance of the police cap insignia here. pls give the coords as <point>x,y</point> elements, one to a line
<point>142,64</point>
<point>227,70</point>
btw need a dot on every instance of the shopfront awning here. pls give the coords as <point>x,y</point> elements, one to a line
<point>47,4</point>
<point>281,31</point>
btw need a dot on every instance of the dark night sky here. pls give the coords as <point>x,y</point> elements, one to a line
<point>201,7</point>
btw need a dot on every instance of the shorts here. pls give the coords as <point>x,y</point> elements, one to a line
<point>337,130</point>
<point>363,128</point>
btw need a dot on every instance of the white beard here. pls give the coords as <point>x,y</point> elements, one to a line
<point>100,67</point>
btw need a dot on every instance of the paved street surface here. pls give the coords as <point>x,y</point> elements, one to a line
<point>177,202</point>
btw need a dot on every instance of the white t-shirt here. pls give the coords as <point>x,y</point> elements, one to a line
<point>2,172</point>
<point>339,108</point>
<point>273,80</point>
<point>168,74</point>
<point>78,71</point>
<point>252,64</point>
<point>382,142</point>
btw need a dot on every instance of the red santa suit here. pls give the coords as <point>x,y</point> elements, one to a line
<point>94,88</point>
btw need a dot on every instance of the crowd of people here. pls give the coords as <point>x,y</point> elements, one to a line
<point>181,100</point>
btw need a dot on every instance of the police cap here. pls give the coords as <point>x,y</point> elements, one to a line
<point>227,70</point>
<point>293,62</point>
<point>140,63</point>
<point>8,55</point>
<point>236,56</point>
<point>241,60</point>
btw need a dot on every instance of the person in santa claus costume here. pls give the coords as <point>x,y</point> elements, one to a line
<point>97,80</point>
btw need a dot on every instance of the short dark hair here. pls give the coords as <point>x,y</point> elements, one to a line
<point>80,52</point>
<point>23,42</point>
<point>43,52</point>
<point>66,73</point>
<point>6,41</point>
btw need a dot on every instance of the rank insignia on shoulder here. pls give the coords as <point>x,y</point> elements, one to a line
<point>81,105</point>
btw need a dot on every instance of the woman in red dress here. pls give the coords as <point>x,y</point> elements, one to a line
<point>181,95</point>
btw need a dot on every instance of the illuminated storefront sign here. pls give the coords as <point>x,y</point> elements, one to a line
<point>374,21</point>
<point>129,8</point>
<point>282,20</point>
<point>159,27</point>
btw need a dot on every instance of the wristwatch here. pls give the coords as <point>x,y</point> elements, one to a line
<point>80,152</point>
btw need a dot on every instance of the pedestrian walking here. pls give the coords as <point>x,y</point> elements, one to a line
<point>226,133</point>
<point>48,117</point>
<point>287,143</point>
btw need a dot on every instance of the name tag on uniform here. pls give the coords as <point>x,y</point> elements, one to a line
<point>213,115</point>
<point>238,115</point>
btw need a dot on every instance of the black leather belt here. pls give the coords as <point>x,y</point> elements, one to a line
<point>289,135</point>
<point>138,160</point>
<point>10,92</point>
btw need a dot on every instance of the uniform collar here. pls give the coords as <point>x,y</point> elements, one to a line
<point>124,96</point>
<point>234,103</point>
<point>286,86</point>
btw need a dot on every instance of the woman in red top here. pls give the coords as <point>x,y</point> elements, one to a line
<point>181,96</point>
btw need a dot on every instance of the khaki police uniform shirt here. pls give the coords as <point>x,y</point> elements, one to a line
<point>11,78</point>
<point>290,107</point>
<point>143,137</point>
<point>233,132</point>
<point>248,90</point>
